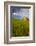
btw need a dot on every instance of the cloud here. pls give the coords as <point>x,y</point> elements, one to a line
<point>14,13</point>
<point>22,12</point>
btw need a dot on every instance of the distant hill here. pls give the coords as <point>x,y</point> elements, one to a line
<point>19,17</point>
<point>25,18</point>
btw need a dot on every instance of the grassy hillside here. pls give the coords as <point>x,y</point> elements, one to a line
<point>20,27</point>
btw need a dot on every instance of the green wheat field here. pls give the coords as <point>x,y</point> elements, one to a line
<point>20,27</point>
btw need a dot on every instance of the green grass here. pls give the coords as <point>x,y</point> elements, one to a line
<point>20,27</point>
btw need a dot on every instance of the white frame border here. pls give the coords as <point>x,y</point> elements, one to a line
<point>31,26</point>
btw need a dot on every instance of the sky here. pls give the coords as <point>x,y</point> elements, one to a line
<point>19,12</point>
